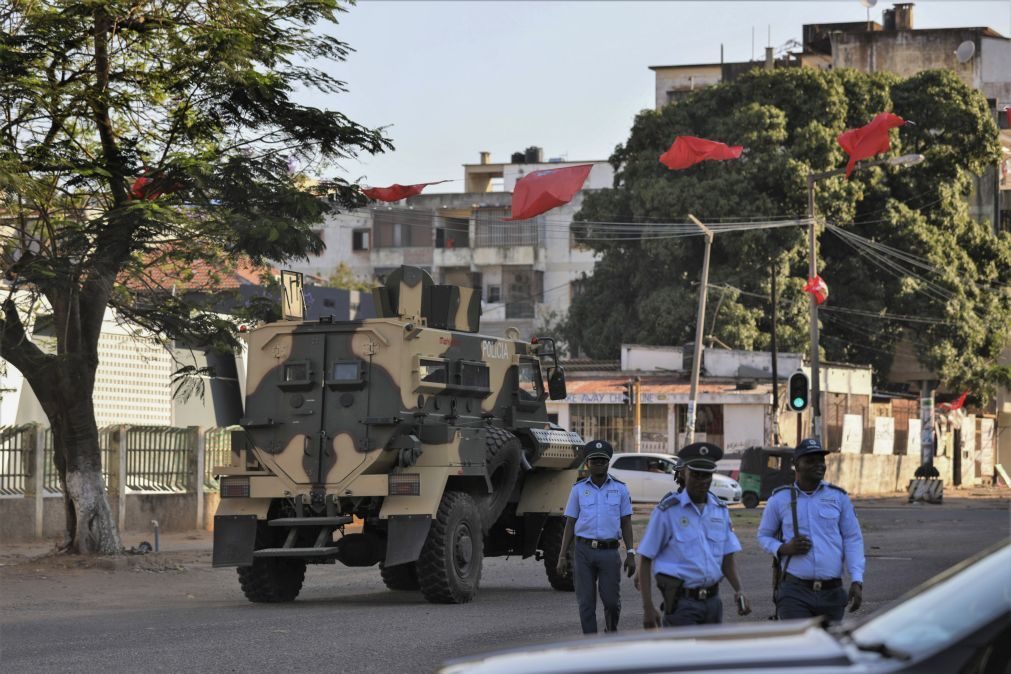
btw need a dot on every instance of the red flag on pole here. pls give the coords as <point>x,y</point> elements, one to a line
<point>687,151</point>
<point>540,191</point>
<point>868,140</point>
<point>957,405</point>
<point>818,288</point>
<point>396,191</point>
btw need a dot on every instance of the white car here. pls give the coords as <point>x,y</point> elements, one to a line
<point>650,477</point>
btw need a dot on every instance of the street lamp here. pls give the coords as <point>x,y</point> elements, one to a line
<point>812,178</point>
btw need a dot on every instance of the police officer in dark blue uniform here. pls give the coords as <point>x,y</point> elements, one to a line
<point>599,511</point>
<point>689,544</point>
<point>826,539</point>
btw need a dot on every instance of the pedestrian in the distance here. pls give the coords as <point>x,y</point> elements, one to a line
<point>689,546</point>
<point>598,514</point>
<point>813,530</point>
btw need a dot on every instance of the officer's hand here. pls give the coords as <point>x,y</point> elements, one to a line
<point>738,598</point>
<point>630,565</point>
<point>635,579</point>
<point>561,567</point>
<point>798,545</point>
<point>650,618</point>
<point>856,596</point>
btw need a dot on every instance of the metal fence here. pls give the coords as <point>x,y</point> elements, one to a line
<point>16,456</point>
<point>217,452</point>
<point>159,459</point>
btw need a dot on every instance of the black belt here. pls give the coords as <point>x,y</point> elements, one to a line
<point>600,545</point>
<point>816,585</point>
<point>699,592</point>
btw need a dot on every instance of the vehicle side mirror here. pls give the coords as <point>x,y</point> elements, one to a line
<point>556,384</point>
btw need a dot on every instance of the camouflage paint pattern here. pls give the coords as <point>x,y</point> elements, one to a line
<point>330,406</point>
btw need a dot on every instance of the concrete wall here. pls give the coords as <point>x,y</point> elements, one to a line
<point>729,362</point>
<point>869,474</point>
<point>684,78</point>
<point>744,426</point>
<point>906,53</point>
<point>645,358</point>
<point>174,512</point>
<point>996,69</point>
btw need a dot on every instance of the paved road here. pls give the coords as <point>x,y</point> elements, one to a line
<point>174,613</point>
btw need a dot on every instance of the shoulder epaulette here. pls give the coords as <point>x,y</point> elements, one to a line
<point>716,500</point>
<point>779,489</point>
<point>615,479</point>
<point>667,501</point>
<point>836,487</point>
<point>582,479</point>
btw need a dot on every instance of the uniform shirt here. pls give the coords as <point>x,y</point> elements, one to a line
<point>826,516</point>
<point>598,510</point>
<point>689,542</point>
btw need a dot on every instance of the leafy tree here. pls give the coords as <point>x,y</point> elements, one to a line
<point>137,138</point>
<point>645,289</point>
<point>344,278</point>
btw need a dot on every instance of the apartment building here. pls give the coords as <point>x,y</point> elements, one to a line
<point>528,270</point>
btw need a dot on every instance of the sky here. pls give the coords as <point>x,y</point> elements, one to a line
<point>451,79</point>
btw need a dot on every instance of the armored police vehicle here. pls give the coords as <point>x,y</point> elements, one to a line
<point>409,441</point>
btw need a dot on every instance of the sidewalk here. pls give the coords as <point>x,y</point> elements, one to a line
<point>198,543</point>
<point>195,541</point>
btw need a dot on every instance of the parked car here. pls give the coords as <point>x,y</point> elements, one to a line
<point>959,621</point>
<point>650,477</point>
<point>763,469</point>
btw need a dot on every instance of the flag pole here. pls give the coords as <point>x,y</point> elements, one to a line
<point>699,325</point>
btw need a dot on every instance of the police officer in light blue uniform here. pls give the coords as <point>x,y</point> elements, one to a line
<point>828,539</point>
<point>689,545</point>
<point>598,513</point>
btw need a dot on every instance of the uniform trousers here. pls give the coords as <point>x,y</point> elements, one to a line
<point>796,600</point>
<point>593,568</point>
<point>688,611</point>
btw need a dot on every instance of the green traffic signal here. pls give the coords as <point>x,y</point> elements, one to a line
<point>799,391</point>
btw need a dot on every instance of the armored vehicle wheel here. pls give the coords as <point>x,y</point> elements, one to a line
<point>401,576</point>
<point>503,458</point>
<point>750,499</point>
<point>273,579</point>
<point>551,544</point>
<point>449,568</point>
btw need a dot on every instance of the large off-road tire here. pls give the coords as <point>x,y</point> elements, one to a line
<point>272,579</point>
<point>750,499</point>
<point>401,576</point>
<point>449,567</point>
<point>502,461</point>
<point>551,546</point>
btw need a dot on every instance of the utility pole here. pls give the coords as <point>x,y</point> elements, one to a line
<point>638,414</point>
<point>699,326</point>
<point>812,245</point>
<point>775,358</point>
<point>926,423</point>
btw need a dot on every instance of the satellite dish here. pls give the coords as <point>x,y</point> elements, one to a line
<point>965,51</point>
<point>868,3</point>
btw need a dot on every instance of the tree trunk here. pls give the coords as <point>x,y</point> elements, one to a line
<point>91,526</point>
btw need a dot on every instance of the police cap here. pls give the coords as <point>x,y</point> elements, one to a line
<point>701,456</point>
<point>808,446</point>
<point>597,449</point>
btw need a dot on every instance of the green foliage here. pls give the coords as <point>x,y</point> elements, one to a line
<point>344,278</point>
<point>195,98</point>
<point>646,291</point>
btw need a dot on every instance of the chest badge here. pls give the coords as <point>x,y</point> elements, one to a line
<point>586,493</point>
<point>684,521</point>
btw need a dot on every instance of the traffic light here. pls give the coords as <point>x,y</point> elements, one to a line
<point>798,392</point>
<point>628,393</point>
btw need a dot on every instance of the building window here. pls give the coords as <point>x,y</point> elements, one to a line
<point>396,229</point>
<point>452,233</point>
<point>360,239</point>
<point>492,231</point>
<point>494,294</point>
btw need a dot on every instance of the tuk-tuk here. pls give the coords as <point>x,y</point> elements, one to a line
<point>762,470</point>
